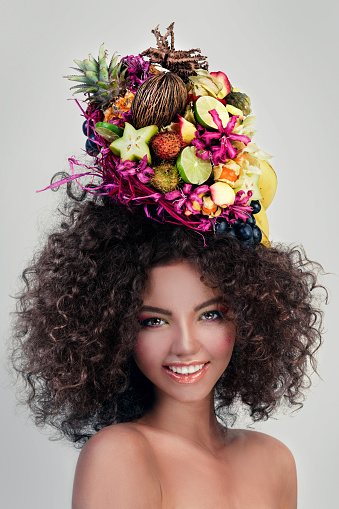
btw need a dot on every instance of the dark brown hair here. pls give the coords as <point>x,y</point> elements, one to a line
<point>77,318</point>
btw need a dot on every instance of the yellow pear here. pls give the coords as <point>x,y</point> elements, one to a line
<point>262,222</point>
<point>267,183</point>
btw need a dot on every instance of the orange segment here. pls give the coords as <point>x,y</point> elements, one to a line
<point>228,174</point>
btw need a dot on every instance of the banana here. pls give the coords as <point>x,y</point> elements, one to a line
<point>267,183</point>
<point>262,222</point>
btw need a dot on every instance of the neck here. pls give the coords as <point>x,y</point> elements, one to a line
<point>193,420</point>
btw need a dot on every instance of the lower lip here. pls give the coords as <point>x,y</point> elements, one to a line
<point>186,379</point>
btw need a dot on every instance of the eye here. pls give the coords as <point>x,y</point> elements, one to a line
<point>152,322</point>
<point>211,316</point>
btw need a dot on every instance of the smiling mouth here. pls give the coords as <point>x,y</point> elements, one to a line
<point>186,370</point>
<point>186,374</point>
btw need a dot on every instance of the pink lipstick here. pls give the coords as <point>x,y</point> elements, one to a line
<point>186,378</point>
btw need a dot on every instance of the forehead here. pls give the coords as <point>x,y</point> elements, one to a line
<point>178,282</point>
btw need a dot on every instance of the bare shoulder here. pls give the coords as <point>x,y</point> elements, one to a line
<point>275,459</point>
<point>116,469</point>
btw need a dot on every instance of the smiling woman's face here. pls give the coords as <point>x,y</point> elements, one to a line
<point>185,343</point>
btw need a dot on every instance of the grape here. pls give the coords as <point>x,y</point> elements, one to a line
<point>231,232</point>
<point>257,235</point>
<point>221,226</point>
<point>91,147</point>
<point>237,223</point>
<point>244,232</point>
<point>256,206</point>
<point>84,127</point>
<point>251,220</point>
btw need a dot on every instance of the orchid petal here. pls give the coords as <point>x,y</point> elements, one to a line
<point>172,195</point>
<point>216,119</point>
<point>198,144</point>
<point>239,137</point>
<point>203,155</point>
<point>189,206</point>
<point>231,124</point>
<point>210,136</point>
<point>230,149</point>
<point>143,178</point>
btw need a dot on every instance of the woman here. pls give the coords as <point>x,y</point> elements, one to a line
<point>115,303</point>
<point>142,330</point>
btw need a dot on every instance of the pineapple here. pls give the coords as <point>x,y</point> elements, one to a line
<point>120,106</point>
<point>101,82</point>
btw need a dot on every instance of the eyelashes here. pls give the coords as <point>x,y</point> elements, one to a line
<point>155,321</point>
<point>214,312</point>
<point>148,322</point>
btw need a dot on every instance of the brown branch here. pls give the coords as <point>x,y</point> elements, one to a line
<point>180,62</point>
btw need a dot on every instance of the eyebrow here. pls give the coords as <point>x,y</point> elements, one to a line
<point>169,313</point>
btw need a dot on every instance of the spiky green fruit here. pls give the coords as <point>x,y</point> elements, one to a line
<point>101,82</point>
<point>166,178</point>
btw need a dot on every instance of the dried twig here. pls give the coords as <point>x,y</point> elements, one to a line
<point>182,63</point>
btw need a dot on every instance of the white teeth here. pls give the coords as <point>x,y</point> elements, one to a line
<point>185,370</point>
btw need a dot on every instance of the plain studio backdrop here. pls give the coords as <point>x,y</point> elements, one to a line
<point>284,56</point>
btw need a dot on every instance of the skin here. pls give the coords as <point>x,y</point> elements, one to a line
<point>178,456</point>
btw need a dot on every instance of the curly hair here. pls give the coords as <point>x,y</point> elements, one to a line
<point>76,320</point>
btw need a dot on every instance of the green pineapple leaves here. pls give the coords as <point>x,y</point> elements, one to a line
<point>101,82</point>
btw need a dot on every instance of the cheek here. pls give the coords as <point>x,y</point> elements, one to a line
<point>222,344</point>
<point>147,353</point>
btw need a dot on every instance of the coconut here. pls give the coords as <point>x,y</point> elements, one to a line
<point>158,100</point>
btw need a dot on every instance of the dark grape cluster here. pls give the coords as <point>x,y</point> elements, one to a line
<point>91,147</point>
<point>246,231</point>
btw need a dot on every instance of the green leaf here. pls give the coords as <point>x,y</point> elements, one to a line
<point>81,79</point>
<point>77,69</point>
<point>91,66</point>
<point>83,87</point>
<point>91,89</point>
<point>92,76</point>
<point>102,84</point>
<point>113,74</point>
<point>93,60</point>
<point>113,62</point>
<point>102,53</point>
<point>78,92</point>
<point>103,71</point>
<point>81,64</point>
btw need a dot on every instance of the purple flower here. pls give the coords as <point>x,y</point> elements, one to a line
<point>185,197</point>
<point>137,70</point>
<point>240,208</point>
<point>217,145</point>
<point>141,169</point>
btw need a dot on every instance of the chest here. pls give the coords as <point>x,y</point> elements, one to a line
<point>194,480</point>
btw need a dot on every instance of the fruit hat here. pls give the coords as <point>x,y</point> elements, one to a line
<point>170,136</point>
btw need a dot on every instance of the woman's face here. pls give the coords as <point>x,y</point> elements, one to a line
<point>185,343</point>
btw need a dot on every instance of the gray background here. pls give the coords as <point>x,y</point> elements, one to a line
<point>284,55</point>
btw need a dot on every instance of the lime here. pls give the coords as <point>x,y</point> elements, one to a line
<point>206,103</point>
<point>109,132</point>
<point>192,169</point>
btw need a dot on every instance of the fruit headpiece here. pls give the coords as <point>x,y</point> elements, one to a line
<point>170,136</point>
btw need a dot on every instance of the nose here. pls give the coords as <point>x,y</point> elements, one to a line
<point>185,341</point>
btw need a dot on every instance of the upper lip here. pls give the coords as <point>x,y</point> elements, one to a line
<point>192,363</point>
